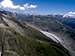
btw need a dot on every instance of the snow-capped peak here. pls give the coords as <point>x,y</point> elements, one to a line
<point>69,14</point>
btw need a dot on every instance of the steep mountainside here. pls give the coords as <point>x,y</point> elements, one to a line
<point>54,24</point>
<point>18,39</point>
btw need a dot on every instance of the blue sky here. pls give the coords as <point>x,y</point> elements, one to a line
<point>50,6</point>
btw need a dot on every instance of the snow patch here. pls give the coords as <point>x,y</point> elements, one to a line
<point>70,14</point>
<point>52,36</point>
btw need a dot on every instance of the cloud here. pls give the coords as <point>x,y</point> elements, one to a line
<point>33,6</point>
<point>21,8</point>
<point>27,6</point>
<point>10,4</point>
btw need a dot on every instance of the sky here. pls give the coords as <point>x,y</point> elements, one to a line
<point>41,6</point>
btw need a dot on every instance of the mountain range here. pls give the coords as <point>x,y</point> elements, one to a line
<point>19,39</point>
<point>55,24</point>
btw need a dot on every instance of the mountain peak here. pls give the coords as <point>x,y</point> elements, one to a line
<point>69,14</point>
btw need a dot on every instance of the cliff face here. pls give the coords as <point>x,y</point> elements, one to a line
<point>18,39</point>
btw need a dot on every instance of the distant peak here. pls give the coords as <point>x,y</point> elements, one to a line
<point>69,14</point>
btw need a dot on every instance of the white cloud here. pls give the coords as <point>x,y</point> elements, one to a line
<point>21,8</point>
<point>33,6</point>
<point>9,4</point>
<point>27,6</point>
